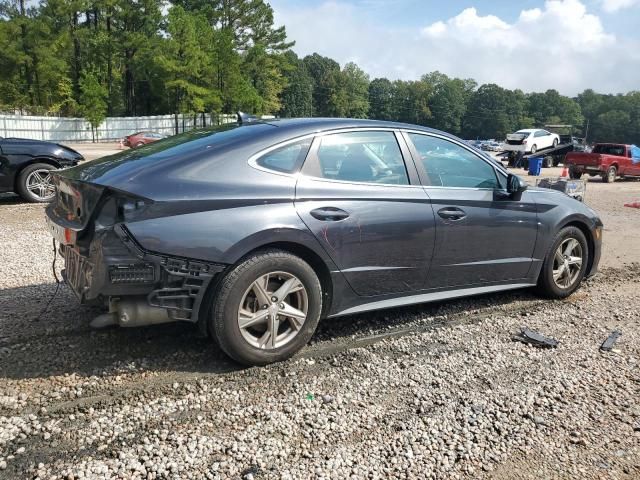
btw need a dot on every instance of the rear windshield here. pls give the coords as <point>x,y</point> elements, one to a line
<point>523,132</point>
<point>617,150</point>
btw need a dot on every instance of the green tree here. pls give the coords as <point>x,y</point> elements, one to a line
<point>297,96</point>
<point>351,97</point>
<point>186,65</point>
<point>93,105</point>
<point>325,74</point>
<point>381,93</point>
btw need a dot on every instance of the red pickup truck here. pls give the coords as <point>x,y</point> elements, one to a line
<point>607,159</point>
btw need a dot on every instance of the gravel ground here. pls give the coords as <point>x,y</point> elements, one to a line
<point>431,391</point>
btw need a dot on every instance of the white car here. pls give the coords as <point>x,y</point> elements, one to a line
<point>531,140</point>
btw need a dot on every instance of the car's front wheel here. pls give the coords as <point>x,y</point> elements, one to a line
<point>555,142</point>
<point>266,308</point>
<point>565,264</point>
<point>534,148</point>
<point>35,183</point>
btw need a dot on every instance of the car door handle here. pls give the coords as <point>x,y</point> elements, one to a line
<point>452,213</point>
<point>329,214</point>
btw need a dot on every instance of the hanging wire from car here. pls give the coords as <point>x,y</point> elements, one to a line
<point>58,282</point>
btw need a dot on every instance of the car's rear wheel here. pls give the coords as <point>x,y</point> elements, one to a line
<point>266,308</point>
<point>565,264</point>
<point>610,175</point>
<point>574,175</point>
<point>35,183</point>
<point>139,144</point>
<point>548,161</point>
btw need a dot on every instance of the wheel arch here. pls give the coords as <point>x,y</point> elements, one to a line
<point>584,228</point>
<point>33,161</point>
<point>306,253</point>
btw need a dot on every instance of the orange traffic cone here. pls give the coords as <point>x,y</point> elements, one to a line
<point>632,204</point>
<point>565,172</point>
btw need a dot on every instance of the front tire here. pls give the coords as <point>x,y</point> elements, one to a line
<point>555,142</point>
<point>565,264</point>
<point>266,308</point>
<point>35,183</point>
<point>610,175</point>
<point>534,148</point>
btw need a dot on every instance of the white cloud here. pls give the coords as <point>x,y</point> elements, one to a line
<point>615,5</point>
<point>560,45</point>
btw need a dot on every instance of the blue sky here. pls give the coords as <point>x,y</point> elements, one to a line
<point>568,45</point>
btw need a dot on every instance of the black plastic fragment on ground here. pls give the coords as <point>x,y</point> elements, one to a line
<point>607,345</point>
<point>534,338</point>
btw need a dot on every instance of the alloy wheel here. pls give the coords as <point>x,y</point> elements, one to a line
<point>273,310</point>
<point>40,185</point>
<point>567,263</point>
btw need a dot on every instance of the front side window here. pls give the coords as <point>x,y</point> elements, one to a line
<point>287,158</point>
<point>368,156</point>
<point>447,164</point>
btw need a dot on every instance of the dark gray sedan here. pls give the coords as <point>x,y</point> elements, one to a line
<point>257,231</point>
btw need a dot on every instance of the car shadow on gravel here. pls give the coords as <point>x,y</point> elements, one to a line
<point>37,340</point>
<point>11,199</point>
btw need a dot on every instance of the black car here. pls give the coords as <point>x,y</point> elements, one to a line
<point>257,231</point>
<point>25,167</point>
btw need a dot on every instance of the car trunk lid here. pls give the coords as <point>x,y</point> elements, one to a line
<point>74,203</point>
<point>516,138</point>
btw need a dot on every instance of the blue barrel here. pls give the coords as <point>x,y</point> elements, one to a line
<point>535,165</point>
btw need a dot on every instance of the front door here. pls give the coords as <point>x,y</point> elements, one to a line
<point>482,235</point>
<point>367,210</point>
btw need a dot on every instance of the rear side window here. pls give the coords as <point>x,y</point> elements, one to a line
<point>363,157</point>
<point>286,159</point>
<point>450,165</point>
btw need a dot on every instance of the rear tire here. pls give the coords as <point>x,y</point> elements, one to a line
<point>34,183</point>
<point>610,175</point>
<point>548,162</point>
<point>561,275</point>
<point>574,175</point>
<point>242,325</point>
<point>139,144</point>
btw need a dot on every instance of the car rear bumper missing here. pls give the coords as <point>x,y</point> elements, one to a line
<point>114,266</point>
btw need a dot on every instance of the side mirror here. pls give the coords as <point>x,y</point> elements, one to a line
<point>515,185</point>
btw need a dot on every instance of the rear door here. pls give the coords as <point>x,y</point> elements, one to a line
<point>366,207</point>
<point>483,236</point>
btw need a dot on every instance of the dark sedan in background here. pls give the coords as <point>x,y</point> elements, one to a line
<point>257,231</point>
<point>25,166</point>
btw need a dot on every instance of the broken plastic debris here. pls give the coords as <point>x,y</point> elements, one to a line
<point>534,338</point>
<point>607,345</point>
<point>632,204</point>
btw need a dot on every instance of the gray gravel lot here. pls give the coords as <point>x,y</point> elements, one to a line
<point>431,391</point>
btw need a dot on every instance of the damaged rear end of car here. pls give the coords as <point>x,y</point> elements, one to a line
<point>105,265</point>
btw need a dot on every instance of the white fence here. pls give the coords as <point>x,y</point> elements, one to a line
<point>62,129</point>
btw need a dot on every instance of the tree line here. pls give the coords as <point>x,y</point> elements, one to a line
<point>97,58</point>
